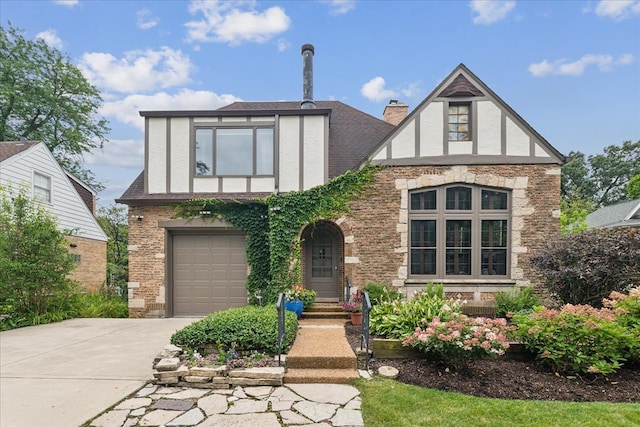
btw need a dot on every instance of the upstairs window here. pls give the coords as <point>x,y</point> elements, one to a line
<point>459,115</point>
<point>234,152</point>
<point>459,231</point>
<point>41,187</point>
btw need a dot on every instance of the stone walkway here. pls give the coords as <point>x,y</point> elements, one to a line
<point>318,405</point>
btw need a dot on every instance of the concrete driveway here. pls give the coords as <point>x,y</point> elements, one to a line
<point>63,374</point>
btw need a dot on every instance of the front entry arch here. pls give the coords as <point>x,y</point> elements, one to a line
<point>323,260</point>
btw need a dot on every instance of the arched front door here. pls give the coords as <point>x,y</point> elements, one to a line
<point>323,261</point>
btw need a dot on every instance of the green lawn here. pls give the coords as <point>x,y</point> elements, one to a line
<point>394,404</point>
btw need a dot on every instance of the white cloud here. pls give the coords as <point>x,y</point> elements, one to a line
<point>235,22</point>
<point>50,37</point>
<point>340,7</point>
<point>283,45</point>
<point>491,11</point>
<point>618,9</point>
<point>127,153</point>
<point>145,20</point>
<point>374,90</point>
<point>68,3</point>
<point>604,63</point>
<point>138,70</point>
<point>127,110</point>
<point>413,90</point>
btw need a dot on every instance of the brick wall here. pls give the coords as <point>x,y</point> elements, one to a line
<point>91,271</point>
<point>376,233</point>
<point>147,260</point>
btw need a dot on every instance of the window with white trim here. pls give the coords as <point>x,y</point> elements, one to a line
<point>231,151</point>
<point>459,231</point>
<point>41,187</point>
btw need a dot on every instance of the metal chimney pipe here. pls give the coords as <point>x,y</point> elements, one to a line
<point>307,76</point>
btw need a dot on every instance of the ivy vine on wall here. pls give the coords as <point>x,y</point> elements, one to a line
<point>273,226</point>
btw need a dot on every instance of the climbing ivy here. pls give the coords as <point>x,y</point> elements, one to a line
<point>273,225</point>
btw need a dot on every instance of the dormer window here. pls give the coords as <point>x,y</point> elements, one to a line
<point>237,151</point>
<point>459,123</point>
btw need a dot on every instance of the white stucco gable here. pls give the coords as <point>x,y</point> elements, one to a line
<point>496,133</point>
<point>66,204</point>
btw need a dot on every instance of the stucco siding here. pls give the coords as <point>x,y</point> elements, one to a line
<point>314,161</point>
<point>489,135</point>
<point>404,144</point>
<point>179,163</point>
<point>157,156</point>
<point>431,130</point>
<point>518,142</point>
<point>289,154</point>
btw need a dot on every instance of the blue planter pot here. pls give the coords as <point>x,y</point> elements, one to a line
<point>295,306</point>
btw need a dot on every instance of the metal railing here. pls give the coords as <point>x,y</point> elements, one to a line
<point>347,289</point>
<point>364,331</point>
<point>281,325</point>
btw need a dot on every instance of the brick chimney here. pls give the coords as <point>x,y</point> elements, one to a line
<point>395,112</point>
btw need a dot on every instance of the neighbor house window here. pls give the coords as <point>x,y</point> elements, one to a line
<point>41,187</point>
<point>234,151</point>
<point>458,231</point>
<point>459,122</point>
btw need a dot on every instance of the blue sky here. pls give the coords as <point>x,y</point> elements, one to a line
<point>571,69</point>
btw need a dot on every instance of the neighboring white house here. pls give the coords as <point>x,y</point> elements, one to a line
<point>31,163</point>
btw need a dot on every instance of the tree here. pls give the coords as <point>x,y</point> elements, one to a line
<point>34,257</point>
<point>633,188</point>
<point>113,221</point>
<point>44,97</point>
<point>601,178</point>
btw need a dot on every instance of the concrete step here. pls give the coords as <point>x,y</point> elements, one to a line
<point>325,308</point>
<point>322,362</point>
<point>318,376</point>
<point>325,315</point>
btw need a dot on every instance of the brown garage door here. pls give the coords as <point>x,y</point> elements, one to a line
<point>209,273</point>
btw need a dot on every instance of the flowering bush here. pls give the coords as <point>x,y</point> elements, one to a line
<point>354,305</point>
<point>299,293</point>
<point>461,339</point>
<point>399,318</point>
<point>627,310</point>
<point>576,338</point>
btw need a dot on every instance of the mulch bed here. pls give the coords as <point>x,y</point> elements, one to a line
<point>511,379</point>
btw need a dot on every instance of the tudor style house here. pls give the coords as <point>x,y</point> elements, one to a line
<point>467,192</point>
<point>68,199</point>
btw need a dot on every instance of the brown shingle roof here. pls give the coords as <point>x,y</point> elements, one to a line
<point>11,148</point>
<point>352,135</point>
<point>460,86</point>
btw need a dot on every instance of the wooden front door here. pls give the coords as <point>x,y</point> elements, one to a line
<point>322,260</point>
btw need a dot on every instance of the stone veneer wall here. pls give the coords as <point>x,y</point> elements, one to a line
<point>147,260</point>
<point>376,233</point>
<point>91,271</point>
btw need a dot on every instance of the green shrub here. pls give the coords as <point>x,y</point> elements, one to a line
<point>577,338</point>
<point>627,310</point>
<point>308,297</point>
<point>515,300</point>
<point>244,329</point>
<point>399,318</point>
<point>34,260</point>
<point>101,304</point>
<point>586,267</point>
<point>379,292</point>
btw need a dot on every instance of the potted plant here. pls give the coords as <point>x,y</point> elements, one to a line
<point>294,300</point>
<point>308,297</point>
<point>354,308</point>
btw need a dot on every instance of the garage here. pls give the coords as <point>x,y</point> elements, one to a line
<point>209,273</point>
